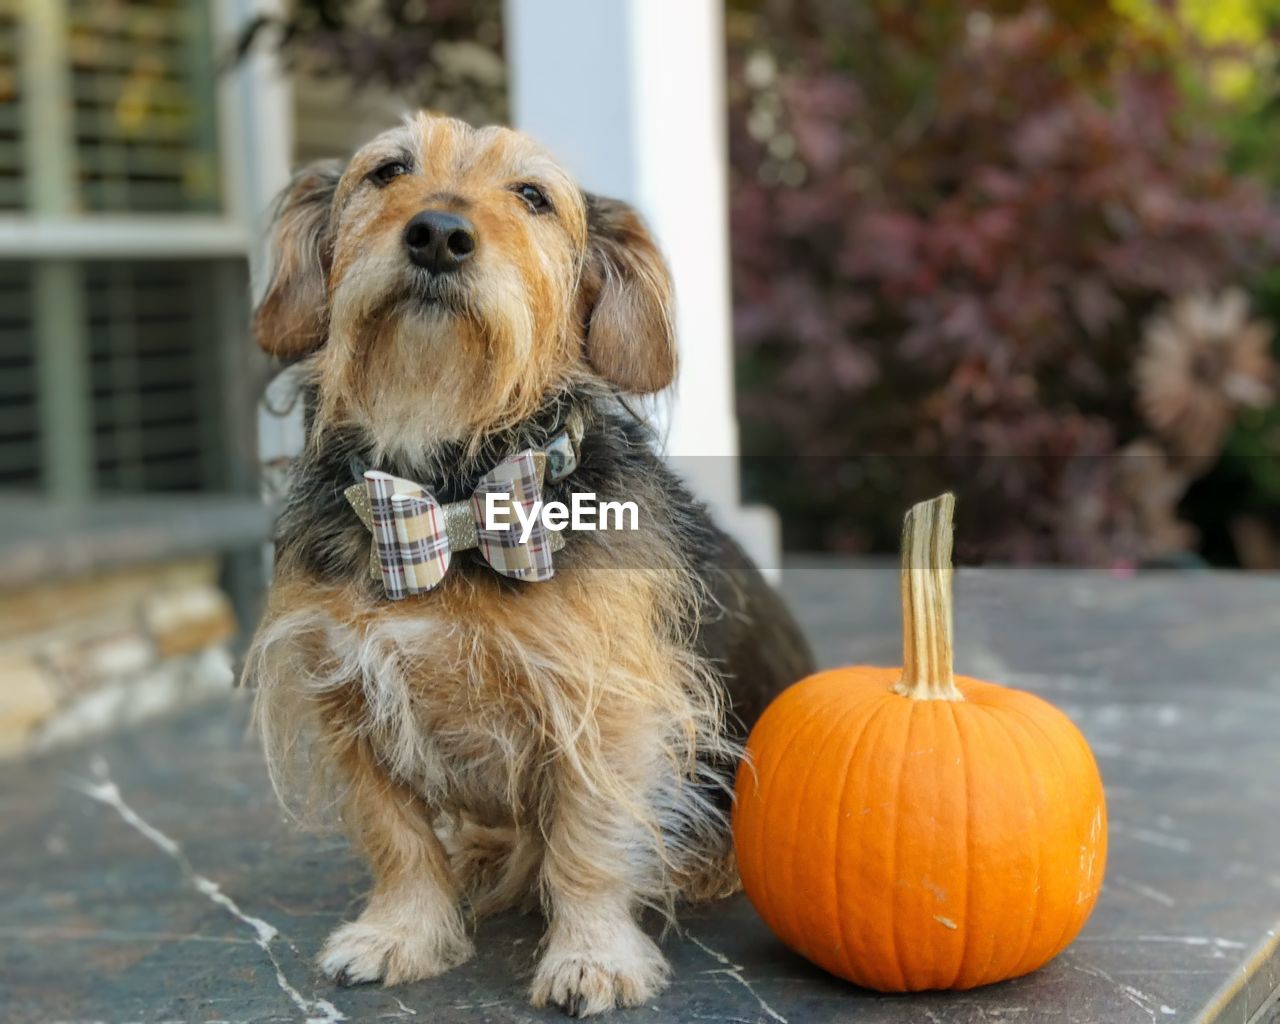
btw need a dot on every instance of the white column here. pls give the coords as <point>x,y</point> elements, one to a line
<point>255,107</point>
<point>62,352</point>
<point>629,94</point>
<point>256,118</point>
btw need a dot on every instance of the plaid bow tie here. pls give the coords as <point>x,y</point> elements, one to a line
<point>414,536</point>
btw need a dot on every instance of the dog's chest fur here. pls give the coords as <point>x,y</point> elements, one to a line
<point>485,692</point>
<point>469,694</point>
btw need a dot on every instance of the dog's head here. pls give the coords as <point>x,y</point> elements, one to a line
<point>448,278</point>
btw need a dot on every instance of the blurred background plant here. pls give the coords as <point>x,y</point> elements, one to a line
<point>442,54</point>
<point>1019,249</point>
<point>995,246</point>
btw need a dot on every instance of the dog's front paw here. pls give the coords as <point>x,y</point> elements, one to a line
<point>373,949</point>
<point>584,977</point>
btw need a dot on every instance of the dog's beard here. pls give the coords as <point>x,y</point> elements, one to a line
<point>380,285</point>
<point>422,360</point>
<point>447,293</point>
<point>413,385</point>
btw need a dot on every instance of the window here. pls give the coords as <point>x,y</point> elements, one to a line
<point>19,416</point>
<point>12,178</point>
<point>123,274</point>
<point>142,86</point>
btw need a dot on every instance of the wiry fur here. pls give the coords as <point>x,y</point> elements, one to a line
<point>570,742</point>
<point>485,632</point>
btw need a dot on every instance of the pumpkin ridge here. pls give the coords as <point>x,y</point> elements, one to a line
<point>955,794</point>
<point>986,976</point>
<point>768,882</point>
<point>893,856</point>
<point>835,852</point>
<point>1049,742</point>
<point>962,743</point>
<point>819,748</point>
<point>764,805</point>
<point>1039,820</point>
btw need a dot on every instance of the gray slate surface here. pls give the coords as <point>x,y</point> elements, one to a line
<point>151,877</point>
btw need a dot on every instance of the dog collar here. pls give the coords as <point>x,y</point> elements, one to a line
<point>561,452</point>
<point>414,535</point>
<point>563,449</point>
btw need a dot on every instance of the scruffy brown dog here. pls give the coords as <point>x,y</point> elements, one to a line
<point>498,742</point>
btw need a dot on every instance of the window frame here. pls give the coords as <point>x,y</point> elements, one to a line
<point>251,113</point>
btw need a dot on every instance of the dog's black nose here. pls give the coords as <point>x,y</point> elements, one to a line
<point>439,241</point>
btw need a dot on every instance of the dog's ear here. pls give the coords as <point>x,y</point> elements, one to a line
<point>292,319</point>
<point>626,300</point>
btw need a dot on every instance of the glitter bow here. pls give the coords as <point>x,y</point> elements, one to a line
<point>414,536</point>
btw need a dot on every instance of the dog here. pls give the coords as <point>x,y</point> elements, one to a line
<point>455,299</point>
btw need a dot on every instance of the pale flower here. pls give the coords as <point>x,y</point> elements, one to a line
<point>1203,359</point>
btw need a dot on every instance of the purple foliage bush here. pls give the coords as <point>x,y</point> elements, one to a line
<point>948,231</point>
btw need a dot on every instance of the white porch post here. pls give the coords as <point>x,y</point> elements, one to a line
<point>257,123</point>
<point>255,108</point>
<point>630,95</point>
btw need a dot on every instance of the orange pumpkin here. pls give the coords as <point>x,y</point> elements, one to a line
<point>907,829</point>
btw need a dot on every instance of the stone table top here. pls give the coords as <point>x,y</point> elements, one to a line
<point>151,877</point>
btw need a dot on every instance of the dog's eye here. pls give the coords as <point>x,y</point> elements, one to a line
<point>391,169</point>
<point>534,196</point>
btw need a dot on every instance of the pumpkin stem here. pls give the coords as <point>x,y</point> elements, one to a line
<point>926,602</point>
